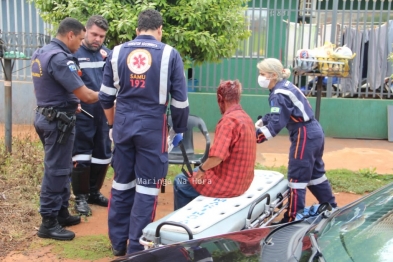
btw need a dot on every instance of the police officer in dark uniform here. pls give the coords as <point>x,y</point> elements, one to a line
<point>140,75</point>
<point>290,108</point>
<point>58,90</point>
<point>92,147</point>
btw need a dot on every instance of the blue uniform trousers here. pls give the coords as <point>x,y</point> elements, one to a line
<point>183,191</point>
<point>140,162</point>
<point>306,167</point>
<point>92,143</point>
<point>55,187</point>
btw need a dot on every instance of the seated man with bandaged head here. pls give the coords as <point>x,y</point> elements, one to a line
<point>229,169</point>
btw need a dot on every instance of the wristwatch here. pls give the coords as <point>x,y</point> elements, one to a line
<point>110,126</point>
<point>200,168</point>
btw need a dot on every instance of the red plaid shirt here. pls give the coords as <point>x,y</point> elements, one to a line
<point>234,143</point>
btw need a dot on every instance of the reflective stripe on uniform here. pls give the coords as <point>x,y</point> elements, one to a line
<point>101,161</point>
<point>313,182</point>
<point>147,190</point>
<point>108,90</point>
<point>99,64</point>
<point>115,57</point>
<point>123,187</point>
<point>179,104</point>
<point>295,185</point>
<point>317,181</point>
<point>81,158</point>
<point>295,101</point>
<point>266,132</point>
<point>166,54</point>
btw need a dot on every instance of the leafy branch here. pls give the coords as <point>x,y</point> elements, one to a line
<point>201,30</point>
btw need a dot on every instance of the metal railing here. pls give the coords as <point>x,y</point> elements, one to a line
<point>281,28</point>
<point>22,29</point>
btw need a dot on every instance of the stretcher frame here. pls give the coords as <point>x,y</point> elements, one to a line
<point>273,207</point>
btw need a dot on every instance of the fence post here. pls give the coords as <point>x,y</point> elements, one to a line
<point>7,67</point>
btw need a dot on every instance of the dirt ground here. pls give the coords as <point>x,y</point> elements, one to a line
<point>351,154</point>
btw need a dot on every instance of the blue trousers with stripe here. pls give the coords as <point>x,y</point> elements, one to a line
<point>92,143</point>
<point>140,162</point>
<point>306,168</point>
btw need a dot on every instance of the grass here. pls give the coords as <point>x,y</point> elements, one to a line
<point>342,180</point>
<point>359,182</point>
<point>88,247</point>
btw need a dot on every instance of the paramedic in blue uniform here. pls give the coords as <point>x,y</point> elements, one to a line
<point>58,89</point>
<point>290,108</point>
<point>140,75</point>
<point>92,147</point>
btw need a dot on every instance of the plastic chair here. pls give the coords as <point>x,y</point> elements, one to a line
<point>176,157</point>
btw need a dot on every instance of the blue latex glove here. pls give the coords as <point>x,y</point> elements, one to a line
<point>260,136</point>
<point>177,139</point>
<point>174,139</point>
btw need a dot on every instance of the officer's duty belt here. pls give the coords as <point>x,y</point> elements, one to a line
<point>50,113</point>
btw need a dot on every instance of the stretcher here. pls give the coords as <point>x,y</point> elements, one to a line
<point>206,216</point>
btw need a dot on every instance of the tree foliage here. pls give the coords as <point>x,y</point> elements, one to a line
<point>201,30</point>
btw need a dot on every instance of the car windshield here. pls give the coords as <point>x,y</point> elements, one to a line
<point>362,232</point>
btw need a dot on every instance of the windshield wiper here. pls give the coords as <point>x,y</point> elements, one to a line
<point>345,246</point>
<point>316,252</point>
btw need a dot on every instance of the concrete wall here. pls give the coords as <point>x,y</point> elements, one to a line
<point>344,118</point>
<point>23,102</point>
<point>340,117</point>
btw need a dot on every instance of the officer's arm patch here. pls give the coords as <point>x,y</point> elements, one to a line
<point>275,110</point>
<point>72,66</point>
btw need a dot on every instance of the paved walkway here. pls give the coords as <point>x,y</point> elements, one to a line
<point>352,154</point>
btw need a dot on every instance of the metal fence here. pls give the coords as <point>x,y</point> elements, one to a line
<point>281,28</point>
<point>21,28</point>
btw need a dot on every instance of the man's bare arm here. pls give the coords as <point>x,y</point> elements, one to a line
<point>109,113</point>
<point>208,164</point>
<point>86,95</point>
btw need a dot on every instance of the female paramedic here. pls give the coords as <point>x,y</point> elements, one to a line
<point>290,108</point>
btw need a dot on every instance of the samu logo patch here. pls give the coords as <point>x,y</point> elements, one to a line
<point>275,110</point>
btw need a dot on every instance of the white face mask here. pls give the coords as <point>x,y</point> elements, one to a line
<point>263,82</point>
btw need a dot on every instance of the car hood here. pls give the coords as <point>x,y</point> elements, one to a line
<point>228,247</point>
<point>360,231</point>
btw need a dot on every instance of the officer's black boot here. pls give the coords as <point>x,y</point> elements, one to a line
<point>97,178</point>
<point>65,219</point>
<point>80,186</point>
<point>50,228</point>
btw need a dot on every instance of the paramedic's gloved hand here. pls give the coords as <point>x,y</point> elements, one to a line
<point>259,122</point>
<point>260,136</point>
<point>174,139</point>
<point>110,134</point>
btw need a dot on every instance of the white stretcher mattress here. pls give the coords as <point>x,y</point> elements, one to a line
<point>208,216</point>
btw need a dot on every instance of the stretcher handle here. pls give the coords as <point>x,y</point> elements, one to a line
<point>256,201</point>
<point>176,224</point>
